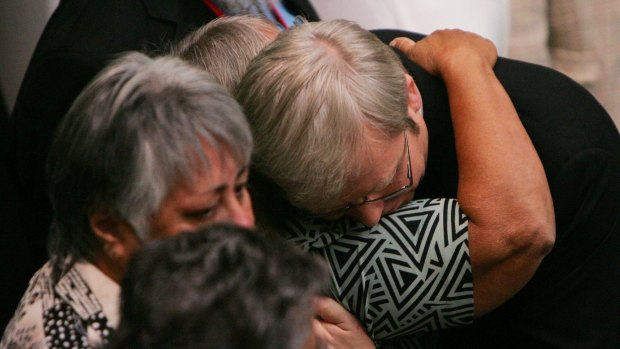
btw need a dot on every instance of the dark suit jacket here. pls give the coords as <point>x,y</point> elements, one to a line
<point>79,39</point>
<point>573,300</point>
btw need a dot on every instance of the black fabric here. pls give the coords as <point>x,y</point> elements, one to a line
<point>573,300</point>
<point>16,266</point>
<point>4,113</point>
<point>79,39</point>
<point>302,8</point>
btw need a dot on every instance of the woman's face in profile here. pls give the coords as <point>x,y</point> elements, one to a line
<point>214,196</point>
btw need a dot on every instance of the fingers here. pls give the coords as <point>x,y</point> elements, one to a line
<point>330,311</point>
<point>321,332</point>
<point>338,328</point>
<point>448,51</point>
<point>404,44</point>
<point>334,336</point>
<point>420,52</point>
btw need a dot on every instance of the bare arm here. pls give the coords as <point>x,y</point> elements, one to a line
<point>502,185</point>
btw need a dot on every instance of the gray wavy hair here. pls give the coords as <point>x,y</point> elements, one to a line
<point>225,46</point>
<point>133,134</point>
<point>311,96</point>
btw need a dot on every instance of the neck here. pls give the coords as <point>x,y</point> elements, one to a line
<point>110,267</point>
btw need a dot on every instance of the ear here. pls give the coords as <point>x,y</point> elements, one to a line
<point>414,99</point>
<point>117,237</point>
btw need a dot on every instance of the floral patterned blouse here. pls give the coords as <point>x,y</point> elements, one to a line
<point>79,311</point>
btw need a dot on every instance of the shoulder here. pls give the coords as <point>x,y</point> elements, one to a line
<point>112,26</point>
<point>414,265</point>
<point>423,219</point>
<point>62,314</point>
<point>26,328</point>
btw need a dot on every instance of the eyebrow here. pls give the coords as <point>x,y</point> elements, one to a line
<point>242,171</point>
<point>220,188</point>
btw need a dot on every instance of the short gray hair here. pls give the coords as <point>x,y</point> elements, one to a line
<point>311,98</point>
<point>134,134</point>
<point>224,47</point>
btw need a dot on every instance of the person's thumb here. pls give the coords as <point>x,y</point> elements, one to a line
<point>404,44</point>
<point>330,311</point>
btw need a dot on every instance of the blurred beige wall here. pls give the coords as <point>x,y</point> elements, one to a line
<point>580,38</point>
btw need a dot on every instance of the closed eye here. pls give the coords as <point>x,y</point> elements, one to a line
<point>201,214</point>
<point>240,189</point>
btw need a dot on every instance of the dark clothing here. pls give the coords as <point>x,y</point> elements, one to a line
<point>17,263</point>
<point>4,114</point>
<point>573,300</point>
<point>79,39</point>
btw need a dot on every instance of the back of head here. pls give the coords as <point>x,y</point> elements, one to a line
<point>219,287</point>
<point>311,96</point>
<point>134,133</point>
<point>224,47</point>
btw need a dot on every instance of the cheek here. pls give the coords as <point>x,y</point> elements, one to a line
<point>418,173</point>
<point>246,203</point>
<point>168,224</point>
<point>180,224</point>
<point>236,210</point>
<point>418,167</point>
<point>398,203</point>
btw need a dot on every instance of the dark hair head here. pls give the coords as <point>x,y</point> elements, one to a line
<point>219,287</point>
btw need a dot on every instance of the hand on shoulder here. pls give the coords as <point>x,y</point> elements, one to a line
<point>448,51</point>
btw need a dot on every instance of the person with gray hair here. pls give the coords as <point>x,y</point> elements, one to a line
<point>224,287</point>
<point>339,131</point>
<point>152,147</point>
<point>225,46</point>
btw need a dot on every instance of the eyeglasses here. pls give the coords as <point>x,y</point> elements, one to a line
<point>404,189</point>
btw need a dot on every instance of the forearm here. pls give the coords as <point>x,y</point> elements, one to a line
<point>500,174</point>
<point>502,185</point>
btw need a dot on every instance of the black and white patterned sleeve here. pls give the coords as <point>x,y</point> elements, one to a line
<point>408,275</point>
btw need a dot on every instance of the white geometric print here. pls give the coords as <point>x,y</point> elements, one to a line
<point>406,276</point>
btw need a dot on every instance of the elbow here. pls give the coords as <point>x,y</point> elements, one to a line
<point>539,232</point>
<point>544,229</point>
<point>548,232</point>
<point>535,238</point>
<point>543,239</point>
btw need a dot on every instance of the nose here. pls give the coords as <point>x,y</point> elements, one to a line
<point>239,211</point>
<point>369,214</point>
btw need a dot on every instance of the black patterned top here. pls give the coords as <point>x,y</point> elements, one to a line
<point>79,311</point>
<point>408,275</point>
